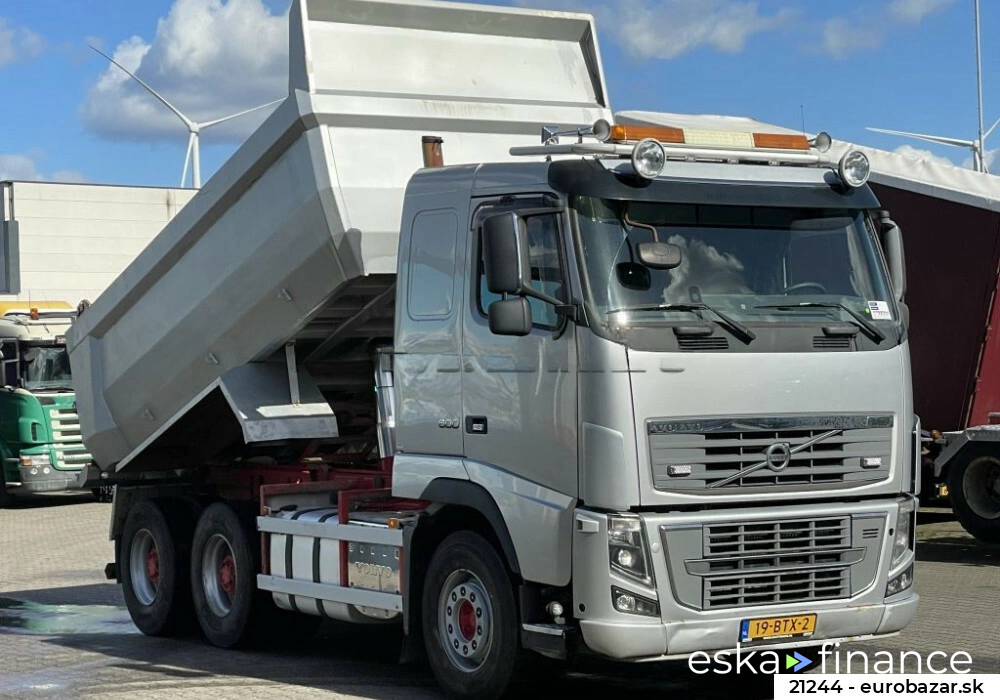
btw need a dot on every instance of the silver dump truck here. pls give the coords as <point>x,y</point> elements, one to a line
<point>636,389</point>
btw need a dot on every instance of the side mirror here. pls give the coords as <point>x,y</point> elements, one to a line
<point>633,276</point>
<point>895,258</point>
<point>505,254</point>
<point>659,256</point>
<point>510,316</point>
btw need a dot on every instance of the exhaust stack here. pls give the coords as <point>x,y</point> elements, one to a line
<point>433,155</point>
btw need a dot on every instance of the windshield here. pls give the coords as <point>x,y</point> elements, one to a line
<point>46,367</point>
<point>757,265</point>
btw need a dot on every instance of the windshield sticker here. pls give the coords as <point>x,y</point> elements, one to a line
<point>879,310</point>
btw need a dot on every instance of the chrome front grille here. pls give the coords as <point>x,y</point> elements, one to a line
<point>769,544</point>
<point>779,562</point>
<point>70,450</point>
<point>736,564</point>
<point>719,455</point>
<point>772,589</point>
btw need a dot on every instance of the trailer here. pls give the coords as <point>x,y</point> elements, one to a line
<point>445,345</point>
<point>951,217</point>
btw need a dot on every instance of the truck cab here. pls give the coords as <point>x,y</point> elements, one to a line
<point>696,379</point>
<point>40,440</point>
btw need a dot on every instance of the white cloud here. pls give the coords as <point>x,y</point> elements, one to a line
<point>914,11</point>
<point>908,151</point>
<point>18,43</point>
<point>24,166</point>
<point>842,37</point>
<point>210,58</point>
<point>992,158</point>
<point>668,28</point>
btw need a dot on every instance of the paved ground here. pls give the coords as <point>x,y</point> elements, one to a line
<point>64,631</point>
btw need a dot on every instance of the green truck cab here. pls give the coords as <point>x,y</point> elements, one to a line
<point>40,442</point>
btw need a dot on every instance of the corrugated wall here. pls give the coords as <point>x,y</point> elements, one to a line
<point>952,253</point>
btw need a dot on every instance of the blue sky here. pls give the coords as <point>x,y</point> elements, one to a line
<point>904,64</point>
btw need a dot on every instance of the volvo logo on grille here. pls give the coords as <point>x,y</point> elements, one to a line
<point>778,456</point>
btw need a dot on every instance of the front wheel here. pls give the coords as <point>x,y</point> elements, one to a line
<point>974,489</point>
<point>470,618</point>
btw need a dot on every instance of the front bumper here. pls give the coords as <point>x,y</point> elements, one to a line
<point>683,628</point>
<point>663,640</point>
<point>44,480</point>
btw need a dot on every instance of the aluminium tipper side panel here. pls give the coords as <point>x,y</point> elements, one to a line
<point>313,200</point>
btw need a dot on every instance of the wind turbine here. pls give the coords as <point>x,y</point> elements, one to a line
<point>193,155</point>
<point>977,146</point>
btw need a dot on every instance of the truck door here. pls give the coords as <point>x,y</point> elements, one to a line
<point>427,363</point>
<point>520,393</point>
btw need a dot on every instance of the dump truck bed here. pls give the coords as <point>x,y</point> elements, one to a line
<point>294,239</point>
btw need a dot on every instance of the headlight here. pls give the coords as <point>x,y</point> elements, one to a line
<point>904,531</point>
<point>854,168</point>
<point>627,602</point>
<point>627,548</point>
<point>41,460</point>
<point>900,582</point>
<point>648,158</point>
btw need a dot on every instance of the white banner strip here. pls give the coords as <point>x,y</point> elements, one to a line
<point>897,686</point>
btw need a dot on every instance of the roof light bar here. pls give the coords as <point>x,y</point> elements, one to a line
<point>622,140</point>
<point>625,133</point>
<point>622,133</point>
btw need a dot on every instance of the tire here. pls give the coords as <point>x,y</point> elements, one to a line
<point>5,498</point>
<point>470,659</point>
<point>224,565</point>
<point>154,559</point>
<point>974,490</point>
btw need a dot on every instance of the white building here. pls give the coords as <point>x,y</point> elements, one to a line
<point>67,242</point>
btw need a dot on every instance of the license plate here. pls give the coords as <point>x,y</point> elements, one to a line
<point>777,627</point>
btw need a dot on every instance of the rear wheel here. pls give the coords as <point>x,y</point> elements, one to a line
<point>224,566</point>
<point>974,489</point>
<point>154,570</point>
<point>470,618</point>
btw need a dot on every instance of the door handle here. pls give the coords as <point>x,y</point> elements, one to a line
<point>476,425</point>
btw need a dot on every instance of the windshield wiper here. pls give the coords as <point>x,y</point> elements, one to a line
<point>730,324</point>
<point>863,323</point>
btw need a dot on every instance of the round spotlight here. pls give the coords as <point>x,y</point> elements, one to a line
<point>821,142</point>
<point>854,168</point>
<point>602,130</point>
<point>648,158</point>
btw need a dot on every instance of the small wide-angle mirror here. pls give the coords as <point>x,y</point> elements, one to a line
<point>632,275</point>
<point>510,316</point>
<point>659,256</point>
<point>505,255</point>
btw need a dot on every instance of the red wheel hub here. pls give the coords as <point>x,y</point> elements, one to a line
<point>467,620</point>
<point>227,574</point>
<point>153,567</point>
